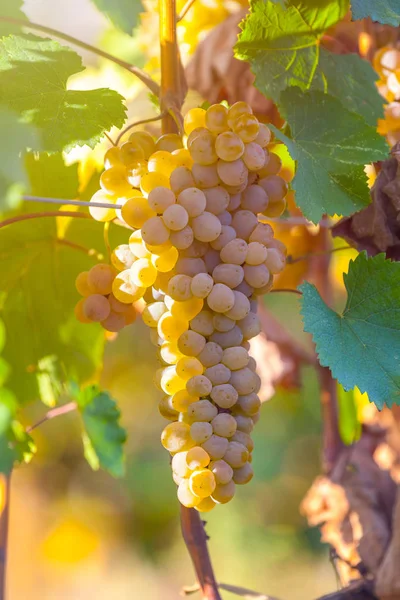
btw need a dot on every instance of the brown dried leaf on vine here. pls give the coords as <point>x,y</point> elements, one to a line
<point>376,228</point>
<point>354,508</point>
<point>278,355</point>
<point>217,75</point>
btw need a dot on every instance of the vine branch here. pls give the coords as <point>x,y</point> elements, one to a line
<point>141,122</point>
<point>139,73</point>
<point>4,519</point>
<point>40,215</point>
<point>332,442</point>
<point>52,414</point>
<point>196,542</point>
<point>185,10</point>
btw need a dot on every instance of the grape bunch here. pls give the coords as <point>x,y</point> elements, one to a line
<point>201,254</point>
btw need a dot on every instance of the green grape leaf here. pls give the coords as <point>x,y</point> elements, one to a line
<point>13,178</point>
<point>50,177</point>
<point>10,9</point>
<point>40,260</point>
<point>123,14</point>
<point>383,11</point>
<point>104,438</point>
<point>33,83</point>
<point>351,80</point>
<point>361,346</point>
<point>331,146</point>
<point>282,43</point>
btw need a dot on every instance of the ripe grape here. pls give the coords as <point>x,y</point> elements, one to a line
<point>100,278</point>
<point>197,458</point>
<point>224,425</point>
<point>96,307</point>
<point>223,493</point>
<point>193,200</point>
<point>102,214</point>
<point>217,118</point>
<point>229,146</point>
<point>221,298</point>
<point>201,431</point>
<point>206,227</point>
<point>217,200</point>
<point>202,483</point>
<point>215,446</point>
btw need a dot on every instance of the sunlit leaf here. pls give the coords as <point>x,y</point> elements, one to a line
<point>361,345</point>
<point>104,437</point>
<point>331,146</point>
<point>33,83</point>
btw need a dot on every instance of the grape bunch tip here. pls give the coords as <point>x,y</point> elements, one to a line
<point>200,256</point>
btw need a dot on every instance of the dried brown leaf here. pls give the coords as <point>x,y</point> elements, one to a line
<point>376,228</point>
<point>217,75</point>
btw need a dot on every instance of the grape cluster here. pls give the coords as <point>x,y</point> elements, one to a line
<point>200,255</point>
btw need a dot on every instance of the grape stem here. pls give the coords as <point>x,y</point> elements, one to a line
<point>291,260</point>
<point>5,481</point>
<point>142,75</point>
<point>172,75</point>
<point>196,542</point>
<point>142,122</point>
<point>52,414</point>
<point>289,290</point>
<point>40,215</point>
<point>185,10</point>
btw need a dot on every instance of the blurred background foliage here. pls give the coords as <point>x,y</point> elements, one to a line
<point>76,534</point>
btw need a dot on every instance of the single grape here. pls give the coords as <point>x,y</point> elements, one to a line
<point>82,284</point>
<point>136,211</point>
<point>186,496</point>
<point>102,214</point>
<point>202,483</point>
<point>100,278</point>
<point>180,179</point>
<point>224,395</point>
<point>200,431</point>
<point>234,252</point>
<point>201,285</point>
<point>221,298</point>
<point>202,410</point>
<point>125,290</point>
<point>197,458</point>
<point>199,385</point>
<point>255,199</point>
<point>205,176</point>
<point>223,472</point>
<point>232,173</point>
<point>191,343</point>
<point>181,400</point>
<point>236,455</point>
<point>169,142</point>
<point>210,354</point>
<point>224,425</point>
<point>224,493</point>
<point>202,148</point>
<point>193,201</point>
<point>196,117</point>
<point>122,257</point>
<point>217,118</point>
<point>228,274</point>
<point>113,181</point>
<point>143,273</point>
<point>171,327</point>
<point>206,227</point>
<point>96,307</point>
<point>145,141</point>
<point>203,323</point>
<point>235,358</point>
<point>218,374</point>
<point>160,198</point>
<point>215,446</point>
<point>217,200</point>
<point>244,474</point>
<point>229,146</point>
